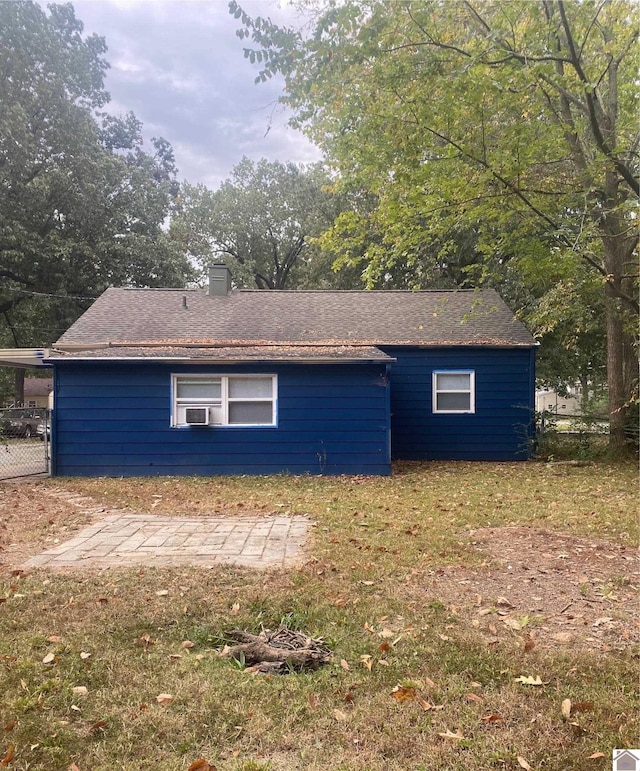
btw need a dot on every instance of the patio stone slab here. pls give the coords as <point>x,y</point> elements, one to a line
<point>123,539</point>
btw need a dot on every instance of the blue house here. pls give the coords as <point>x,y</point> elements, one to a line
<point>219,381</point>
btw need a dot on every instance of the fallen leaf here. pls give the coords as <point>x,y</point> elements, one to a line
<point>597,755</point>
<point>73,767</point>
<point>384,647</point>
<point>523,763</point>
<point>8,756</point>
<point>450,735</point>
<point>367,583</point>
<point>84,656</point>
<point>10,725</point>
<point>312,700</point>
<point>424,703</point>
<point>366,661</point>
<point>340,602</point>
<point>201,765</point>
<point>562,637</point>
<point>340,715</point>
<point>164,699</point>
<point>49,658</point>
<point>344,664</point>
<point>235,609</point>
<point>80,690</point>
<point>187,644</point>
<point>474,697</point>
<point>494,717</point>
<point>401,693</point>
<point>528,680</point>
<point>566,709</point>
<point>54,638</point>
<point>97,726</point>
<point>162,593</point>
<point>529,642</point>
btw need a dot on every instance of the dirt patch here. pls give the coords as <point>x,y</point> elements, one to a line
<point>34,517</point>
<point>543,588</point>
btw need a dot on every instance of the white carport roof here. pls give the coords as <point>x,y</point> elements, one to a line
<point>23,357</point>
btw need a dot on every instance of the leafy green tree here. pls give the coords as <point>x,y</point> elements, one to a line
<point>83,205</point>
<point>513,120</point>
<point>260,222</point>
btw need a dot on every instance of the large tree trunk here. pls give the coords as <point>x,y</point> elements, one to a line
<point>615,378</point>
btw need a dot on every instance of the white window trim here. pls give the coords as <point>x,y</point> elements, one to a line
<point>471,391</point>
<point>224,400</point>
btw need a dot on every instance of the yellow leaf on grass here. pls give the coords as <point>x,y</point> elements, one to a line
<point>451,735</point>
<point>235,609</point>
<point>529,680</point>
<point>49,658</point>
<point>187,644</point>
<point>340,715</point>
<point>162,592</point>
<point>474,697</point>
<point>566,708</point>
<point>164,699</point>
<point>80,690</point>
<point>597,755</point>
<point>344,664</point>
<point>523,763</point>
<point>366,661</point>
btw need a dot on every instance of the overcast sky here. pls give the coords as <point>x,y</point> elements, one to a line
<point>179,66</point>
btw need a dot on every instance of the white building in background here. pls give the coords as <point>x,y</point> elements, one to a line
<point>551,401</point>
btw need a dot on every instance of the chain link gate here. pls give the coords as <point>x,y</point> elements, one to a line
<point>25,442</point>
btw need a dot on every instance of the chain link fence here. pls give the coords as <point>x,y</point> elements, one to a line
<point>25,441</point>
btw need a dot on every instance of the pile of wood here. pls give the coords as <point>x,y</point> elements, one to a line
<point>280,651</point>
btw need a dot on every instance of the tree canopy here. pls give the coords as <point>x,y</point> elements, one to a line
<point>514,123</point>
<point>260,223</point>
<point>83,202</point>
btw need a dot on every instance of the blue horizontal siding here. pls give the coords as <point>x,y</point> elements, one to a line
<point>113,419</point>
<point>500,428</point>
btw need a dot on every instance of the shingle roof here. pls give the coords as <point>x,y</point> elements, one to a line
<point>230,354</point>
<point>330,318</point>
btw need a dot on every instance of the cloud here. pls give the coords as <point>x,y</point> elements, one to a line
<point>179,66</point>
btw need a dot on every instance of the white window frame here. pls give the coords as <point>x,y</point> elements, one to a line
<point>224,401</point>
<point>471,391</point>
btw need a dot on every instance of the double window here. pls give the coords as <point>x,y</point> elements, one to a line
<point>224,400</point>
<point>454,391</point>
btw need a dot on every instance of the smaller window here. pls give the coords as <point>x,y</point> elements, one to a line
<point>32,403</point>
<point>454,391</point>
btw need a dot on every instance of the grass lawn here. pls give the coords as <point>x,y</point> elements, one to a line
<point>464,604</point>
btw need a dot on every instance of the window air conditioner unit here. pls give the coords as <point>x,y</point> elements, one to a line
<point>196,416</point>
